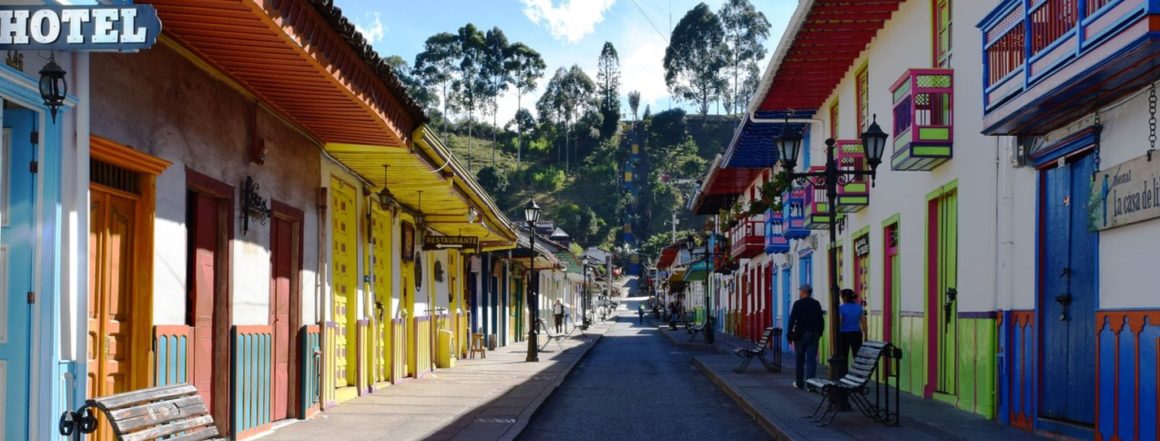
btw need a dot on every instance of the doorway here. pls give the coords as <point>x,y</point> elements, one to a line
<point>1067,299</point>
<point>344,249</point>
<point>17,251</point>
<point>381,267</point>
<point>208,207</point>
<point>285,315</point>
<point>942,293</point>
<point>892,285</point>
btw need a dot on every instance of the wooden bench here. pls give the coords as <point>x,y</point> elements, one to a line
<point>854,386</point>
<point>174,411</point>
<point>770,335</point>
<point>476,347</point>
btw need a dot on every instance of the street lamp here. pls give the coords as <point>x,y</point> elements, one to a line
<point>789,146</point>
<point>690,245</point>
<point>532,215</point>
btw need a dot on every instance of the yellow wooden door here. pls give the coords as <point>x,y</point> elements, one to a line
<point>381,264</point>
<point>344,225</point>
<point>112,223</point>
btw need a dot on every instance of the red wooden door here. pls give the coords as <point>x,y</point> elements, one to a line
<point>204,237</point>
<point>281,272</point>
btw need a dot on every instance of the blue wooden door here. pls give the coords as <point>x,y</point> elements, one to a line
<point>786,297</point>
<point>17,234</point>
<point>1068,295</point>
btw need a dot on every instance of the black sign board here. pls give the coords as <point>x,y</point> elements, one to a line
<point>862,245</point>
<point>78,28</point>
<point>445,242</point>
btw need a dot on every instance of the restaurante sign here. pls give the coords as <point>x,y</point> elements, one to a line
<point>78,28</point>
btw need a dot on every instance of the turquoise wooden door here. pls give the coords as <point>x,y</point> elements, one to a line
<point>17,235</point>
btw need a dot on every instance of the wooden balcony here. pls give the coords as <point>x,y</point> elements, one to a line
<point>817,207</point>
<point>793,213</point>
<point>775,240</point>
<point>748,237</point>
<point>923,119</point>
<point>1049,62</point>
<point>854,195</point>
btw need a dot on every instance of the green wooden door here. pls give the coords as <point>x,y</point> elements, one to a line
<point>942,301</point>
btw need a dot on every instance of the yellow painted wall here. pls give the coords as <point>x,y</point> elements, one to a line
<point>344,249</point>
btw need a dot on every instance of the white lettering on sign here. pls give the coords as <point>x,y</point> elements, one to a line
<point>13,27</point>
<point>78,28</point>
<point>75,19</point>
<point>45,26</point>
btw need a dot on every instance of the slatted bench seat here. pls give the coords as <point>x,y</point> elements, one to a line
<point>174,411</point>
<point>854,386</point>
<point>770,335</point>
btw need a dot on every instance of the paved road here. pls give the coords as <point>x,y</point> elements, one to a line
<point>635,385</point>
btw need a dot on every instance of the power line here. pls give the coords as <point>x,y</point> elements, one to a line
<point>650,22</point>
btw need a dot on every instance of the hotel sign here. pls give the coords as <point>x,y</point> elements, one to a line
<point>78,28</point>
<point>1126,194</point>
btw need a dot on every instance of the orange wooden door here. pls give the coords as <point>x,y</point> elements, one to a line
<point>113,215</point>
<point>281,272</point>
<point>203,289</point>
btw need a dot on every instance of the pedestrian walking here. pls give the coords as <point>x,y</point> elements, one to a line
<point>852,327</point>
<point>558,314</point>
<point>640,314</point>
<point>805,329</point>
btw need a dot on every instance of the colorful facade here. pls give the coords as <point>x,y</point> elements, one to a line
<point>1002,253</point>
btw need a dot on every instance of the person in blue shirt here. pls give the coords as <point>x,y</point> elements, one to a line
<point>852,326</point>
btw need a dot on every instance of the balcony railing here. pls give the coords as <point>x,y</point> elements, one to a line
<point>923,119</point>
<point>748,237</point>
<point>854,195</point>
<point>793,212</point>
<point>817,208</point>
<point>775,240</point>
<point>1026,41</point>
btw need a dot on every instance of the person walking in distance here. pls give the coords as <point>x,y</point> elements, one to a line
<point>806,323</point>
<point>852,326</point>
<point>640,314</point>
<point>558,314</point>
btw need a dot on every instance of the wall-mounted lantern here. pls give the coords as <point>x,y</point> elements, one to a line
<point>53,86</point>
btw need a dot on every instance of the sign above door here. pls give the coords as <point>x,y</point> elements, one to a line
<point>1126,194</point>
<point>78,28</point>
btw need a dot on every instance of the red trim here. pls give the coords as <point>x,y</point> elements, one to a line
<point>932,303</point>
<point>1019,321</point>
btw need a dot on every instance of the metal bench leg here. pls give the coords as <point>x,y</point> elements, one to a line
<point>825,398</point>
<point>770,366</point>
<point>748,358</point>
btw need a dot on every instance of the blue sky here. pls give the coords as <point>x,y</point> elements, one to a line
<point>565,32</point>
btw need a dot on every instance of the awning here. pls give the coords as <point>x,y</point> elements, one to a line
<point>307,62</point>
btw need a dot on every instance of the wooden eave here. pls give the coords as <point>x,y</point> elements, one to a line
<point>821,48</point>
<point>289,55</point>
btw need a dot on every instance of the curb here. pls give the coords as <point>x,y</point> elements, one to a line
<point>742,402</point>
<point>526,416</point>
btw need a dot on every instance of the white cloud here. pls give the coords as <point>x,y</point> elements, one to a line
<point>642,54</point>
<point>373,31</point>
<point>569,21</point>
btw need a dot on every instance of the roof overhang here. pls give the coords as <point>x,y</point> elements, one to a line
<point>819,45</point>
<point>722,186</point>
<point>301,58</point>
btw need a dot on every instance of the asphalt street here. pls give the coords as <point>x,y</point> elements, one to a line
<point>635,385</point>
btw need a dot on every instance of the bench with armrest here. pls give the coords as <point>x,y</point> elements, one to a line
<point>693,329</point>
<point>173,412</point>
<point>770,336</point>
<point>854,387</point>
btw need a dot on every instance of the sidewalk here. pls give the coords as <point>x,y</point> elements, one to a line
<point>479,399</point>
<point>779,407</point>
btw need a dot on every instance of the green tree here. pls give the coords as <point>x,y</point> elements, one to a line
<point>435,68</point>
<point>493,181</point>
<point>496,77</point>
<point>566,98</point>
<point>634,102</point>
<point>526,67</point>
<point>745,29</point>
<point>694,59</point>
<point>608,89</point>
<point>415,88</point>
<point>471,85</point>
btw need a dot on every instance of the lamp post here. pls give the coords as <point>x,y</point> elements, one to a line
<point>584,301</point>
<point>532,215</point>
<point>690,244</point>
<point>789,146</point>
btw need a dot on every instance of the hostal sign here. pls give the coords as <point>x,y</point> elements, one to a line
<point>1126,194</point>
<point>78,28</point>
